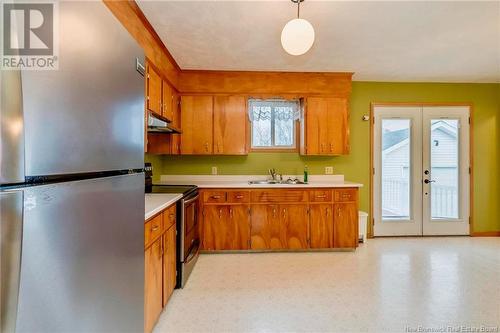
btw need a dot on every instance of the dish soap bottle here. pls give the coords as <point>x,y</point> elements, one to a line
<point>305,174</point>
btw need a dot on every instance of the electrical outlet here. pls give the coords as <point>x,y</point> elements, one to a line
<point>328,170</point>
<point>214,170</point>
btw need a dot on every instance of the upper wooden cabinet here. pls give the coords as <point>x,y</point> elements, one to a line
<point>213,125</point>
<point>159,94</point>
<point>197,125</point>
<point>153,90</point>
<point>325,128</point>
<point>230,125</point>
<point>167,97</point>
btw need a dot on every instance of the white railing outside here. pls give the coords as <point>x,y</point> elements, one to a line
<point>396,199</point>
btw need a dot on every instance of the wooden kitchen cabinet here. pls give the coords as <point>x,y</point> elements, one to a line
<point>230,125</point>
<point>153,283</point>
<point>176,123</point>
<point>167,96</point>
<point>345,228</point>
<point>325,128</point>
<point>160,264</point>
<point>280,219</point>
<point>169,263</point>
<point>295,225</point>
<point>321,226</point>
<point>153,90</point>
<point>197,125</point>
<point>279,227</point>
<point>226,227</point>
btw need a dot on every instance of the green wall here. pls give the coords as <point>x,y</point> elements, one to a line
<point>486,137</point>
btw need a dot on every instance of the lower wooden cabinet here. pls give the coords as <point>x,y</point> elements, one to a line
<point>345,231</point>
<point>169,264</point>
<point>153,282</point>
<point>280,219</point>
<point>279,227</point>
<point>321,226</point>
<point>159,264</point>
<point>226,227</point>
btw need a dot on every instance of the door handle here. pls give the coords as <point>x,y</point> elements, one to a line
<point>427,181</point>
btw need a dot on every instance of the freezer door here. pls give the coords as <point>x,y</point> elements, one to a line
<point>82,267</point>
<point>11,128</point>
<point>11,228</point>
<point>88,115</point>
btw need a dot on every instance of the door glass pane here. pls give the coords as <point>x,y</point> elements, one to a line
<point>444,168</point>
<point>396,169</point>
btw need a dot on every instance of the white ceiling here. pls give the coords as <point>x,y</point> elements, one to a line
<point>379,41</point>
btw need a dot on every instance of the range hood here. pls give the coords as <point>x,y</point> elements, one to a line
<point>159,124</point>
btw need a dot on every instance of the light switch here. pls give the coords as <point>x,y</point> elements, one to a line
<point>214,170</point>
<point>328,170</point>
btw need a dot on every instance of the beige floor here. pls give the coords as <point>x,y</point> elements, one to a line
<point>393,285</point>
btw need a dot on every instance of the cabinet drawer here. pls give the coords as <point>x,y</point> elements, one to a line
<point>348,194</point>
<point>279,196</point>
<point>153,229</point>
<point>320,196</point>
<point>169,216</point>
<point>238,196</point>
<point>214,196</point>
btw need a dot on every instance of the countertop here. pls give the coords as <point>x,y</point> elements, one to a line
<point>223,181</point>
<point>155,203</point>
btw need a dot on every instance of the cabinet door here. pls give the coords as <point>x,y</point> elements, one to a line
<point>338,126</point>
<point>152,284</point>
<point>239,228</point>
<point>197,125</point>
<point>176,122</point>
<point>169,264</point>
<point>215,227</point>
<point>327,127</point>
<point>294,223</point>
<point>230,125</point>
<point>153,88</point>
<point>265,227</point>
<point>166,97</point>
<point>316,128</point>
<point>321,226</point>
<point>345,224</point>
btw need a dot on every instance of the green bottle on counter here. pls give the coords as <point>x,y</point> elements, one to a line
<point>305,174</point>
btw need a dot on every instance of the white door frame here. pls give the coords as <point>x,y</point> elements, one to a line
<point>431,227</point>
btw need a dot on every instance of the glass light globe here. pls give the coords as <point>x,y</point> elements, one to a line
<point>297,36</point>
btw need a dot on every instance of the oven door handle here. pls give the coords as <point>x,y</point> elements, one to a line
<point>193,253</point>
<point>187,202</point>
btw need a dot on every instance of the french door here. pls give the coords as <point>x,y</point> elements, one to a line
<point>421,170</point>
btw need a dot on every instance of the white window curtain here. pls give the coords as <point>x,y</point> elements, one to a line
<point>262,109</point>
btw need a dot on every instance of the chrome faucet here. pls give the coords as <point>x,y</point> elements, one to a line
<point>273,173</point>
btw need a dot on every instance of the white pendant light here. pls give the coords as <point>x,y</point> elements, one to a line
<point>297,36</point>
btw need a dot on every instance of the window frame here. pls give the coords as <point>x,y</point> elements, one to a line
<point>275,149</point>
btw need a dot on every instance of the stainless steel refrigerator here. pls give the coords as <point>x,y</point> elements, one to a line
<point>72,183</point>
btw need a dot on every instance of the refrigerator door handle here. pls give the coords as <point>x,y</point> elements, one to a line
<point>11,128</point>
<point>11,233</point>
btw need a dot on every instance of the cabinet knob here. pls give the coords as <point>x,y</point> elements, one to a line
<point>239,196</point>
<point>321,196</point>
<point>154,228</point>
